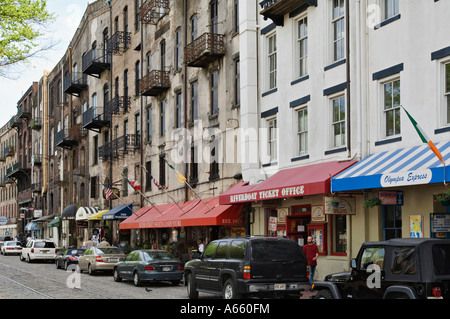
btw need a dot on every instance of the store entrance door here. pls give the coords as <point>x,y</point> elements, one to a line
<point>296,224</point>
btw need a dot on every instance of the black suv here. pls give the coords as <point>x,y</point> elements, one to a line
<point>242,266</point>
<point>398,268</point>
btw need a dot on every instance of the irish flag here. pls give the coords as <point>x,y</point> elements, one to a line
<point>424,137</point>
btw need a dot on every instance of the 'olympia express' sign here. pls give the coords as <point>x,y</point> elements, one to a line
<point>406,178</point>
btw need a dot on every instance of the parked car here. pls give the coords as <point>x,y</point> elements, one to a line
<point>68,257</point>
<point>39,249</point>
<point>11,247</point>
<point>243,266</point>
<point>4,239</point>
<point>149,265</point>
<point>408,268</point>
<point>99,258</point>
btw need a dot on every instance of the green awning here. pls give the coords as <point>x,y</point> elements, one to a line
<point>55,222</point>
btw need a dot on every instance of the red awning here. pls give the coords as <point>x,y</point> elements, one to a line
<point>299,181</point>
<point>191,213</point>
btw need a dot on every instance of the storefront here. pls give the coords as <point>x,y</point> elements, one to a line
<point>68,226</point>
<point>399,189</point>
<point>81,217</point>
<point>297,203</point>
<point>177,227</point>
<point>112,220</point>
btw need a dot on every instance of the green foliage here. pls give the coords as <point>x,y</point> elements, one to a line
<point>371,202</point>
<point>21,24</point>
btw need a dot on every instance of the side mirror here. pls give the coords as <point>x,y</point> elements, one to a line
<point>353,263</point>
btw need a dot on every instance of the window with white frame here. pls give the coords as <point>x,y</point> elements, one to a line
<point>272,61</point>
<point>338,123</point>
<point>338,23</point>
<point>302,47</point>
<point>447,91</point>
<point>391,8</point>
<point>272,139</point>
<point>302,130</point>
<point>391,92</point>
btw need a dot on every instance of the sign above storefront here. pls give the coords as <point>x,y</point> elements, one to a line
<point>406,178</point>
<point>339,205</point>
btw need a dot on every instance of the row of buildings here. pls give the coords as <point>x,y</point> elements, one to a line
<point>222,118</point>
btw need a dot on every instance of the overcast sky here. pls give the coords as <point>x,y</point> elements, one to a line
<point>68,15</point>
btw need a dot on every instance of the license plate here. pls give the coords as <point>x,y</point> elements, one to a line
<point>113,259</point>
<point>280,287</point>
<point>44,251</point>
<point>165,268</point>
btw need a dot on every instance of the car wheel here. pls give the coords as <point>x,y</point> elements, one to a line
<point>57,264</point>
<point>90,270</point>
<point>324,294</point>
<point>21,257</point>
<point>65,265</point>
<point>229,290</point>
<point>116,275</point>
<point>191,287</point>
<point>28,259</point>
<point>136,279</point>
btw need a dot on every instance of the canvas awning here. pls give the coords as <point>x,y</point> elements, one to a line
<point>119,212</point>
<point>84,212</point>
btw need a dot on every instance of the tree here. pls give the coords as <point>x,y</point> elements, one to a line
<point>22,24</point>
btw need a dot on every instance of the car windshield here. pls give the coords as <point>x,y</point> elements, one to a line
<point>44,244</point>
<point>108,250</point>
<point>276,250</point>
<point>13,243</point>
<point>158,255</point>
<point>441,259</point>
<point>74,251</point>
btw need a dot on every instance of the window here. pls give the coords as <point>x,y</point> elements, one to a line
<point>214,92</point>
<point>214,16</point>
<point>162,170</point>
<point>392,222</point>
<point>392,107</point>
<point>194,27</point>
<point>163,55</point>
<point>338,23</point>
<point>302,46</point>
<point>372,256</point>
<point>272,139</point>
<point>447,91</point>
<point>124,182</point>
<point>149,124</point>
<point>222,250</point>
<point>391,8</point>
<point>339,135</point>
<point>194,101</point>
<point>237,249</point>
<point>339,230</point>
<point>194,165</point>
<point>178,119</point>
<point>214,167</point>
<point>302,131</point>
<point>94,187</point>
<point>404,261</point>
<point>148,179</point>
<point>149,62</point>
<point>137,72</point>
<point>137,125</point>
<point>125,84</point>
<point>125,26</point>
<point>95,151</point>
<point>236,15</point>
<point>136,15</point>
<point>272,61</point>
<point>178,45</point>
<point>162,119</point>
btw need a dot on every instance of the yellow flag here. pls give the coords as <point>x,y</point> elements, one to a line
<point>181,178</point>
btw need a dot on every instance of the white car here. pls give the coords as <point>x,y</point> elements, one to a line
<point>39,249</point>
<point>11,247</point>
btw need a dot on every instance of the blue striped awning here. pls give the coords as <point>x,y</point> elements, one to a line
<point>416,165</point>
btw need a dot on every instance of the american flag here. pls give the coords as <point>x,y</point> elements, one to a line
<point>108,192</point>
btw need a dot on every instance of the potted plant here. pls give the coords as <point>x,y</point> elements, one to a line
<point>443,198</point>
<point>371,202</point>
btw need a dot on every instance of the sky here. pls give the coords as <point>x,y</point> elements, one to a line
<point>68,16</point>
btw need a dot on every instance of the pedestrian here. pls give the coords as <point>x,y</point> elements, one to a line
<point>201,247</point>
<point>104,243</point>
<point>311,252</point>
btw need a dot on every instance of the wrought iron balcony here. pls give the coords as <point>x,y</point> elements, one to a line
<point>16,122</point>
<point>119,42</point>
<point>116,106</point>
<point>95,119</point>
<point>154,83</point>
<point>119,146</point>
<point>36,123</point>
<point>17,169</point>
<point>9,151</point>
<point>68,138</point>
<point>152,10</point>
<point>204,50</point>
<point>276,9</point>
<point>93,64</point>
<point>75,83</point>
<point>37,159</point>
<point>23,113</point>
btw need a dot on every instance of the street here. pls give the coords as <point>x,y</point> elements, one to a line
<point>41,280</point>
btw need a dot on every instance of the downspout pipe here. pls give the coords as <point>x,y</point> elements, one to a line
<point>348,99</point>
<point>45,134</point>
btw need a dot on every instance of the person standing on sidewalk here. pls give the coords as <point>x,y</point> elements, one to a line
<point>311,252</point>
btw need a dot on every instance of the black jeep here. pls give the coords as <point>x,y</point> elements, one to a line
<point>242,266</point>
<point>398,268</point>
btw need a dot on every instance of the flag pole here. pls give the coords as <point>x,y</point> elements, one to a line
<point>163,189</point>
<point>145,197</point>
<point>116,197</point>
<point>187,184</point>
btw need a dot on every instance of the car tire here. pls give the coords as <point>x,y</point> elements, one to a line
<point>90,270</point>
<point>191,287</point>
<point>229,290</point>
<point>21,257</point>
<point>65,265</point>
<point>136,279</point>
<point>324,294</point>
<point>28,259</point>
<point>116,275</point>
<point>57,264</point>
